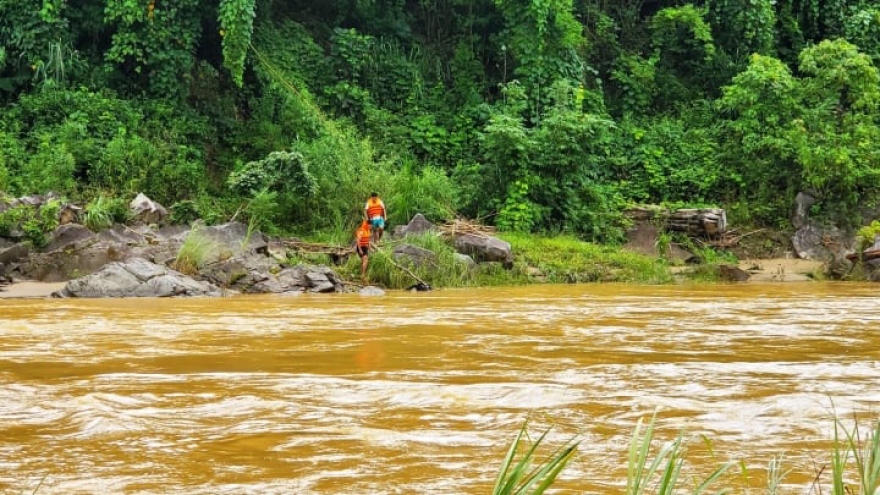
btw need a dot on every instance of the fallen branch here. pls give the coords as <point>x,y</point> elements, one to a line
<point>408,271</point>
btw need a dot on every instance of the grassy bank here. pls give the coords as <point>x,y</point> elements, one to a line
<point>561,259</point>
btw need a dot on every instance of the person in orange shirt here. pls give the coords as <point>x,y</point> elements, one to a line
<point>375,213</point>
<point>362,246</point>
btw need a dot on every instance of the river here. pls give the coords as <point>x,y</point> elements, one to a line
<point>422,393</point>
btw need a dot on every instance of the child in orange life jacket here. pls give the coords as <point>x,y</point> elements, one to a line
<point>362,246</point>
<point>375,213</point>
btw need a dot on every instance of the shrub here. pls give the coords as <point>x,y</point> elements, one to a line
<point>194,252</point>
<point>102,212</point>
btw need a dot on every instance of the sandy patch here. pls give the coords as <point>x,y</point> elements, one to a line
<point>30,289</point>
<point>781,269</point>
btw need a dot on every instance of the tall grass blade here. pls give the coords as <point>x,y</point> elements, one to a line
<point>522,479</point>
<point>839,459</point>
<point>867,458</point>
<point>775,475</point>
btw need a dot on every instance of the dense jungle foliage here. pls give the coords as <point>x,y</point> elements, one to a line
<point>534,115</point>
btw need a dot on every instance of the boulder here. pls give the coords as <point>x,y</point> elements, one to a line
<point>414,255</point>
<point>121,234</point>
<point>146,210</point>
<point>300,278</point>
<point>732,273</point>
<point>319,280</point>
<point>245,274</point>
<point>816,242</point>
<point>418,225</point>
<point>484,248</point>
<point>73,261</point>
<point>371,291</point>
<point>838,268</point>
<point>464,260</point>
<point>136,278</point>
<point>14,253</point>
<point>803,201</point>
<point>286,281</point>
<point>65,235</point>
<point>233,240</point>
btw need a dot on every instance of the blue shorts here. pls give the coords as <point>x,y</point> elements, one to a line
<point>378,223</point>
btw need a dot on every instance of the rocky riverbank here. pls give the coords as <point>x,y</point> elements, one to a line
<point>150,258</point>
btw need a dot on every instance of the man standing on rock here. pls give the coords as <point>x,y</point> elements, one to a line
<point>362,247</point>
<point>375,213</point>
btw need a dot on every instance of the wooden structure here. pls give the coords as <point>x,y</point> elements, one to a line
<point>337,254</point>
<point>710,222</point>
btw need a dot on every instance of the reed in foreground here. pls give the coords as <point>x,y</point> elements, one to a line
<point>853,456</point>
<point>526,477</point>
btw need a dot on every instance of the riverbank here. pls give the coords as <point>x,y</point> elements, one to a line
<point>760,271</point>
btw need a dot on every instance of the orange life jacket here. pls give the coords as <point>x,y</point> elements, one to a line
<point>375,208</point>
<point>363,235</point>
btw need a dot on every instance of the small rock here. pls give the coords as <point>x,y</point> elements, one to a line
<point>484,248</point>
<point>732,273</point>
<point>371,291</point>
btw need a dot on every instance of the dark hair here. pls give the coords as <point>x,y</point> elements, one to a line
<point>374,195</point>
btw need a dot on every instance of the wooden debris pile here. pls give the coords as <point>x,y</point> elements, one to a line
<point>337,254</point>
<point>459,227</point>
<point>710,222</point>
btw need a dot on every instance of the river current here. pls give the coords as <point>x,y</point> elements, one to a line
<point>422,393</point>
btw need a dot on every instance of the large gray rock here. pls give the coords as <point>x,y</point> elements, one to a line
<point>414,255</point>
<point>72,262</point>
<point>484,248</point>
<point>233,240</point>
<point>464,260</point>
<point>418,225</point>
<point>68,234</point>
<point>803,201</point>
<point>144,209</point>
<point>121,234</point>
<point>136,278</point>
<point>815,242</point>
<point>14,253</point>
<point>256,279</point>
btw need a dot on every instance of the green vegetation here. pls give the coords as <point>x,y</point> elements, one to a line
<point>854,459</point>
<point>534,115</point>
<point>521,478</point>
<point>30,223</point>
<point>102,212</point>
<point>195,251</point>
<point>559,259</point>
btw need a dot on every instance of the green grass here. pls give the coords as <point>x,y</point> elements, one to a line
<point>98,215</point>
<point>194,252</point>
<point>566,259</point>
<point>560,259</point>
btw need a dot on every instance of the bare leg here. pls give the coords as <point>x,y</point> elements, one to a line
<point>364,261</point>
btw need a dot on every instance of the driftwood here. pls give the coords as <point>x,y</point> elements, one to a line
<point>317,248</point>
<point>460,226</point>
<point>865,256</point>
<point>730,238</point>
<point>337,254</point>
<point>710,222</point>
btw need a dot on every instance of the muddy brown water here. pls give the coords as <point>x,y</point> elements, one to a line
<point>422,393</point>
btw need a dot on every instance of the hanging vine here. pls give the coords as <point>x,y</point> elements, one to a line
<point>236,29</point>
